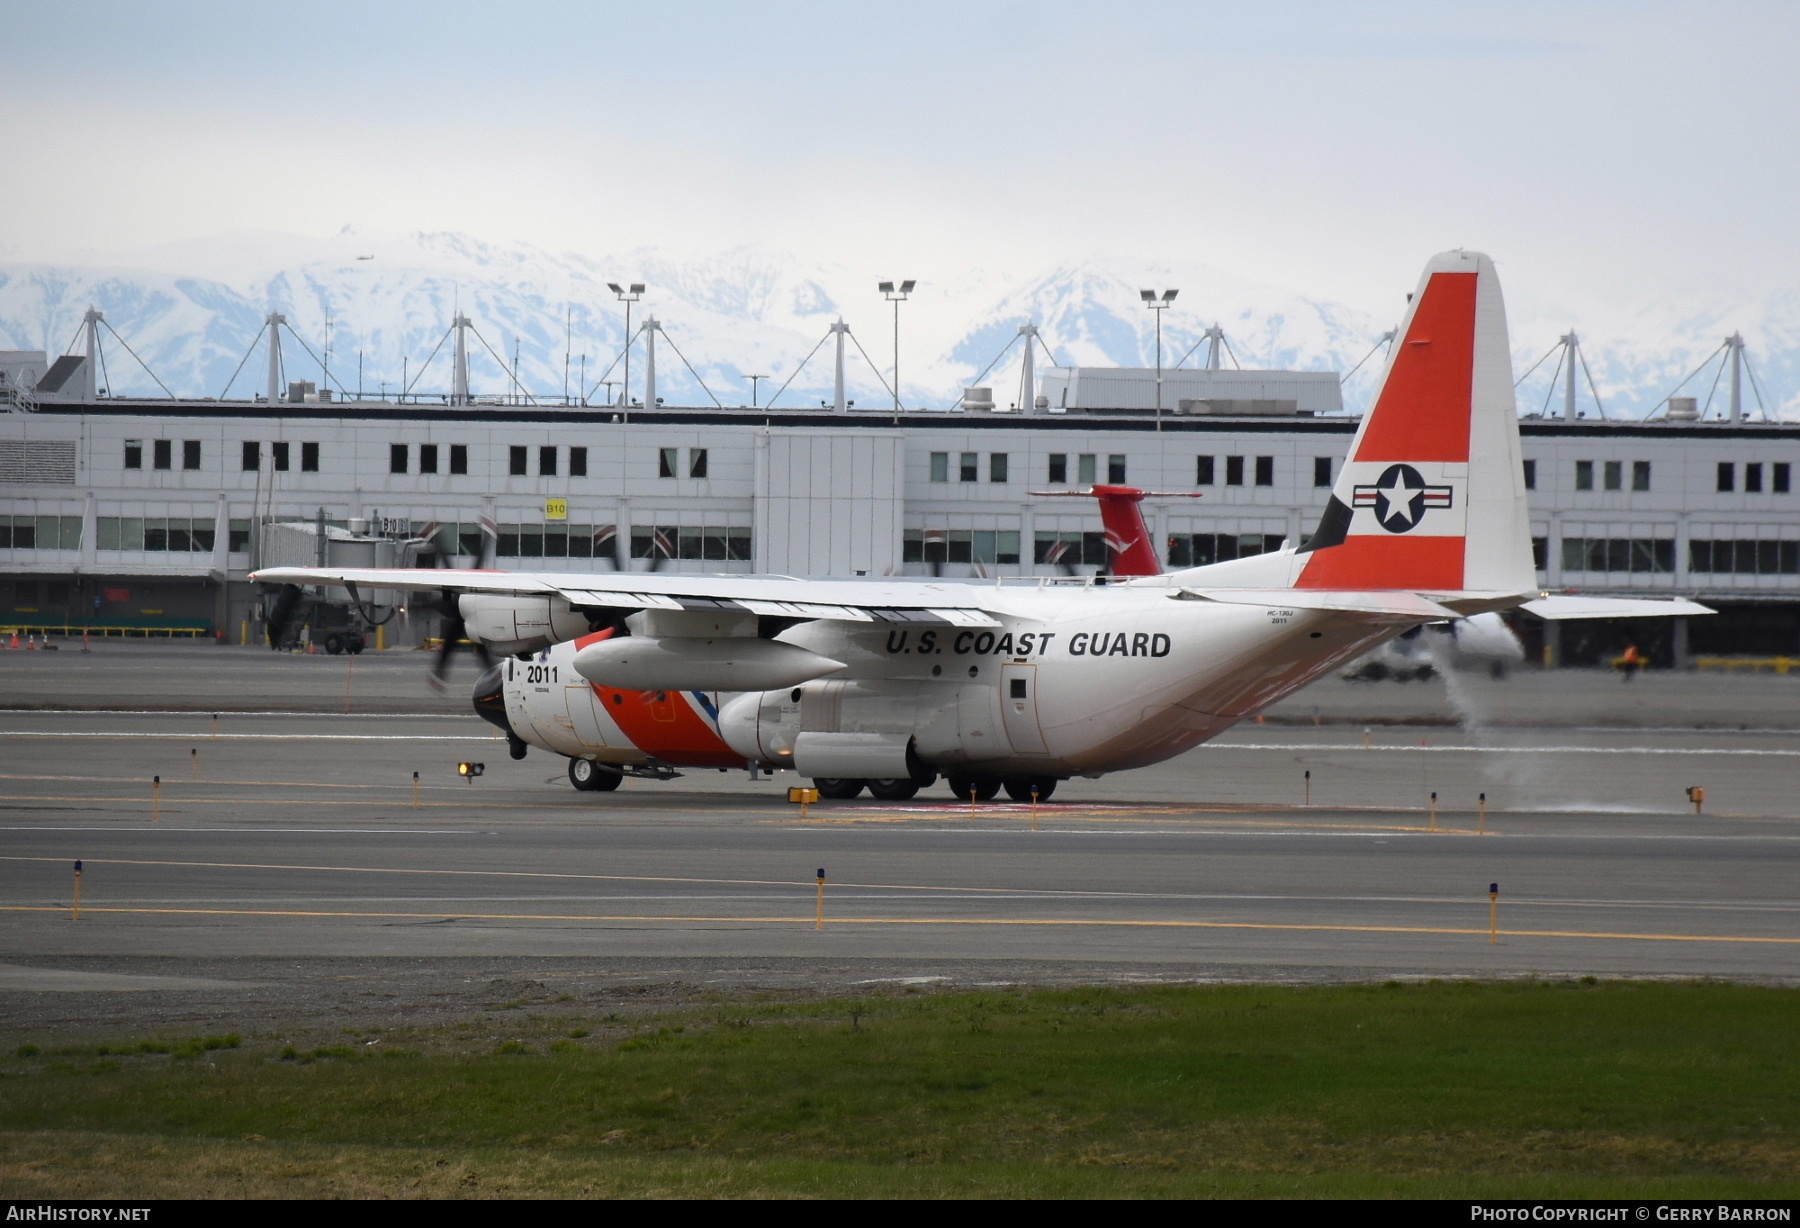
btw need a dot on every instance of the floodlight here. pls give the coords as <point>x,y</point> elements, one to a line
<point>1169,295</point>
<point>885,287</point>
<point>637,287</point>
<point>614,287</point>
<point>906,286</point>
<point>1149,296</point>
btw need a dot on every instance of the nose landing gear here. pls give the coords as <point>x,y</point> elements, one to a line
<point>590,777</point>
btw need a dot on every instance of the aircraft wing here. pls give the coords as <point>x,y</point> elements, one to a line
<point>1558,606</point>
<point>910,602</point>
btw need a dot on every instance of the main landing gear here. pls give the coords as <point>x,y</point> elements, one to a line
<point>589,776</point>
<point>985,788</point>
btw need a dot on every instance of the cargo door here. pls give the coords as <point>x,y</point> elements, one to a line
<point>584,720</point>
<point>1019,710</point>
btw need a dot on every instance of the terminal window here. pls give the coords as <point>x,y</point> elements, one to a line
<point>1614,475</point>
<point>134,454</point>
<point>1199,549</point>
<point>1203,471</point>
<point>696,462</point>
<point>428,458</point>
<point>1584,475</point>
<point>1748,557</point>
<point>539,541</point>
<point>1084,469</point>
<point>1115,469</point>
<point>547,462</point>
<point>1322,471</point>
<point>1727,476</point>
<point>278,456</point>
<point>997,466</point>
<point>1234,471</point>
<point>666,460</point>
<point>156,533</point>
<point>1640,475</point>
<point>1265,471</point>
<point>1069,549</point>
<point>397,458</point>
<point>968,468</point>
<point>940,467</point>
<point>252,455</point>
<point>578,462</point>
<point>162,454</point>
<point>1753,479</point>
<point>40,532</point>
<point>518,457</point>
<point>961,545</point>
<point>1627,554</point>
<point>190,454</point>
<point>1781,473</point>
<point>729,543</point>
<point>309,458</point>
<point>1530,475</point>
<point>459,458</point>
<point>1059,468</point>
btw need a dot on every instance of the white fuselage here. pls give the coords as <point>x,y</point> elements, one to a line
<point>1073,681</point>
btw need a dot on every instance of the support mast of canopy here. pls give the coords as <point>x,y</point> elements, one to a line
<point>90,324</point>
<point>274,322</point>
<point>459,369</point>
<point>838,403</point>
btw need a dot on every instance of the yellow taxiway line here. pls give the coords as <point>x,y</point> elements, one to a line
<point>900,921</point>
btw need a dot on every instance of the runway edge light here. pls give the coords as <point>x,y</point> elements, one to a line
<point>469,771</point>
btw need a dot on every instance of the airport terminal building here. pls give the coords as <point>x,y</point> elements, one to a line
<point>148,514</point>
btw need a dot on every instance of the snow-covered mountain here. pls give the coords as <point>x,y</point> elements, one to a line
<point>381,305</point>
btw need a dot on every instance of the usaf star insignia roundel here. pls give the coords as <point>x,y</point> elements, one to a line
<point>1400,498</point>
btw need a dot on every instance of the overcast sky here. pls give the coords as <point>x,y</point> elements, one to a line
<point>1597,150</point>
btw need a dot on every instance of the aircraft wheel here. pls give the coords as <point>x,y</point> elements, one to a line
<point>984,787</point>
<point>839,788</point>
<point>893,790</point>
<point>589,776</point>
<point>1020,789</point>
<point>334,644</point>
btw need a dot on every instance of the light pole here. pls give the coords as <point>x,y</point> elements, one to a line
<point>896,297</point>
<point>753,379</point>
<point>628,297</point>
<point>1158,306</point>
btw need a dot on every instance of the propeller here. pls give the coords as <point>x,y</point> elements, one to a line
<point>281,613</point>
<point>451,628</point>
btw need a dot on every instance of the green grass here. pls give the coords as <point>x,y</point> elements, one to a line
<point>1460,1089</point>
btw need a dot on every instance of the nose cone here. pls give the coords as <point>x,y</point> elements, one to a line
<point>489,699</point>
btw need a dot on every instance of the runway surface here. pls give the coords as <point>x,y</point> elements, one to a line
<point>293,837</point>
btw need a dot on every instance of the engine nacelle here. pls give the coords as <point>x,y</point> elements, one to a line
<point>683,663</point>
<point>762,726</point>
<point>511,625</point>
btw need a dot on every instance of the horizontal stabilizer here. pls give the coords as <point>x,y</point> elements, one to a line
<point>1383,604</point>
<point>1559,606</point>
